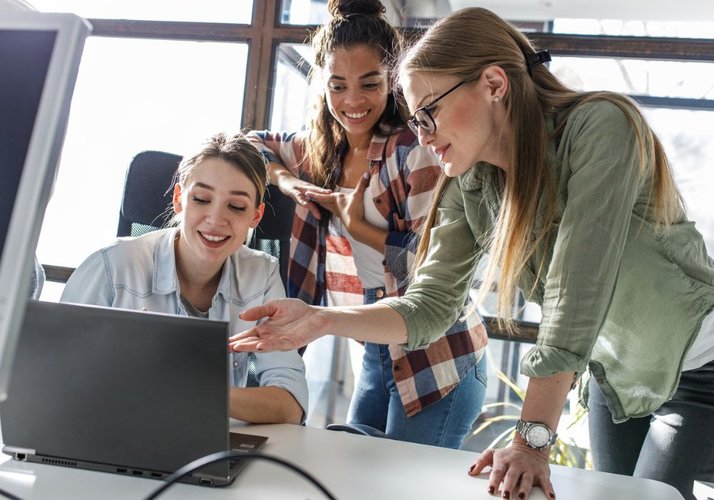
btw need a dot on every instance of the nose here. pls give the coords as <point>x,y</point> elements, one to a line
<point>354,96</point>
<point>216,216</point>
<point>425,138</point>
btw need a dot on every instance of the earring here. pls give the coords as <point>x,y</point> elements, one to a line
<point>497,99</point>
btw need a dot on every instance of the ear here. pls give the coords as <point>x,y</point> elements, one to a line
<point>258,215</point>
<point>176,201</point>
<point>496,81</point>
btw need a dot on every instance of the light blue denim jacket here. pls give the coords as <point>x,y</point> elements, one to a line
<point>140,273</point>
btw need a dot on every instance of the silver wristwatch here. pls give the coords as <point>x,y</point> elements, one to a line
<point>536,434</point>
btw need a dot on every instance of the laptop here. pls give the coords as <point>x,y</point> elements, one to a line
<point>128,392</point>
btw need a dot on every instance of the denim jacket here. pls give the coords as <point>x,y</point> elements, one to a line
<point>621,296</point>
<point>140,273</point>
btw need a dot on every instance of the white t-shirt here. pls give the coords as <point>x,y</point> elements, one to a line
<point>702,350</point>
<point>369,262</point>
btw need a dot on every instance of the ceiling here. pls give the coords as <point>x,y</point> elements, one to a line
<point>543,10</point>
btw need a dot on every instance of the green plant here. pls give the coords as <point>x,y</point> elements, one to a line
<point>565,451</point>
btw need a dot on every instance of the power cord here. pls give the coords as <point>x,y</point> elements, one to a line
<point>224,455</point>
<point>9,495</point>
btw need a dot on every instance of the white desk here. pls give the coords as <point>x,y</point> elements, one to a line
<point>352,467</point>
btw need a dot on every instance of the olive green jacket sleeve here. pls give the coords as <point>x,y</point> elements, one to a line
<point>437,294</point>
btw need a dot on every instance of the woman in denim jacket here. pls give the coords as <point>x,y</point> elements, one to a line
<point>202,268</point>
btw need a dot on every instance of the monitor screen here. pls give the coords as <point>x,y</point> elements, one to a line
<point>39,59</point>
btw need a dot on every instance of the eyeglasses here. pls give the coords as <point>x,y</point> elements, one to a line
<point>422,118</point>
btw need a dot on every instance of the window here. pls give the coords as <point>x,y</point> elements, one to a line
<point>221,11</point>
<point>132,95</point>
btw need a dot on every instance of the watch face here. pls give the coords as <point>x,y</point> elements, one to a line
<point>538,435</point>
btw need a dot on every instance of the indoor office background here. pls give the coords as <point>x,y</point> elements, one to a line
<point>161,74</point>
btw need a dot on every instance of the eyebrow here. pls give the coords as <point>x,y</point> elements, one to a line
<point>211,188</point>
<point>366,75</point>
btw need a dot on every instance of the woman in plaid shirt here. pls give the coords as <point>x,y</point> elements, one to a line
<point>362,185</point>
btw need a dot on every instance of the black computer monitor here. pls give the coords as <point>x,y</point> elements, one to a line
<point>39,59</point>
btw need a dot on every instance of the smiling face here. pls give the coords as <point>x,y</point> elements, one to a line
<point>470,122</point>
<point>356,89</point>
<point>218,207</point>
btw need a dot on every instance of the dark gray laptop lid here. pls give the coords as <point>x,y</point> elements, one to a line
<point>116,387</point>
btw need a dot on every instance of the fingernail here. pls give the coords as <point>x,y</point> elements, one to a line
<point>471,468</point>
<point>365,175</point>
<point>490,490</point>
<point>521,495</point>
<point>552,494</point>
<point>506,494</point>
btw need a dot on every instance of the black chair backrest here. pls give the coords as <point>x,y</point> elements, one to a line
<point>273,233</point>
<point>148,191</point>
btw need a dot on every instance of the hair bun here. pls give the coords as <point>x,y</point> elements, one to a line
<point>344,8</point>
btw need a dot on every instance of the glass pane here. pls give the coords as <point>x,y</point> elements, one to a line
<point>637,77</point>
<point>309,12</point>
<point>613,18</point>
<point>304,12</point>
<point>221,11</point>
<point>687,138</point>
<point>634,28</point>
<point>291,93</point>
<point>133,95</point>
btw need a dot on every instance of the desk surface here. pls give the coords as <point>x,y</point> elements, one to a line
<point>350,466</point>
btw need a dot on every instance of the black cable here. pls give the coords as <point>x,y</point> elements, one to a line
<point>224,455</point>
<point>9,495</point>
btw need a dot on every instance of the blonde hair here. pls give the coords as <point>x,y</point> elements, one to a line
<point>463,44</point>
<point>236,150</point>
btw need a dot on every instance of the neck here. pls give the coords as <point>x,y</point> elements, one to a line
<point>198,280</point>
<point>359,144</point>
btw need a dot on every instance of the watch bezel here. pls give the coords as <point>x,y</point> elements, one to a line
<point>525,430</point>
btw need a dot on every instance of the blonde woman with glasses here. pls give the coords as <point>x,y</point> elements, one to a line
<point>572,196</point>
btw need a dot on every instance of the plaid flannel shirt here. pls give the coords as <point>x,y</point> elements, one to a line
<point>322,271</point>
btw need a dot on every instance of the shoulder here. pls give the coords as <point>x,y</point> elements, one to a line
<point>404,147</point>
<point>254,261</point>
<point>141,247</point>
<point>607,114</point>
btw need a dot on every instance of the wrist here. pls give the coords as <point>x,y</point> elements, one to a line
<point>520,444</point>
<point>325,323</point>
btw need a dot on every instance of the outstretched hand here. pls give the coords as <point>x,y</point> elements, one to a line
<point>290,324</point>
<point>516,470</point>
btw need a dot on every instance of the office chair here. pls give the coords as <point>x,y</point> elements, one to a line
<point>148,191</point>
<point>361,429</point>
<point>272,235</point>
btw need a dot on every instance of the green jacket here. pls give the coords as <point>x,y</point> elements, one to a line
<point>619,296</point>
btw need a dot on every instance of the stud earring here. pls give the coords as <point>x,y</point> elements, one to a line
<point>497,99</point>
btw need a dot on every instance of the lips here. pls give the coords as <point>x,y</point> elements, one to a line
<point>213,240</point>
<point>441,152</point>
<point>355,116</point>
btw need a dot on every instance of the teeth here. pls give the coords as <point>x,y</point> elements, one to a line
<point>211,237</point>
<point>356,116</point>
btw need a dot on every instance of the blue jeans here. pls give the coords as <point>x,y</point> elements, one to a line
<point>675,445</point>
<point>376,402</point>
